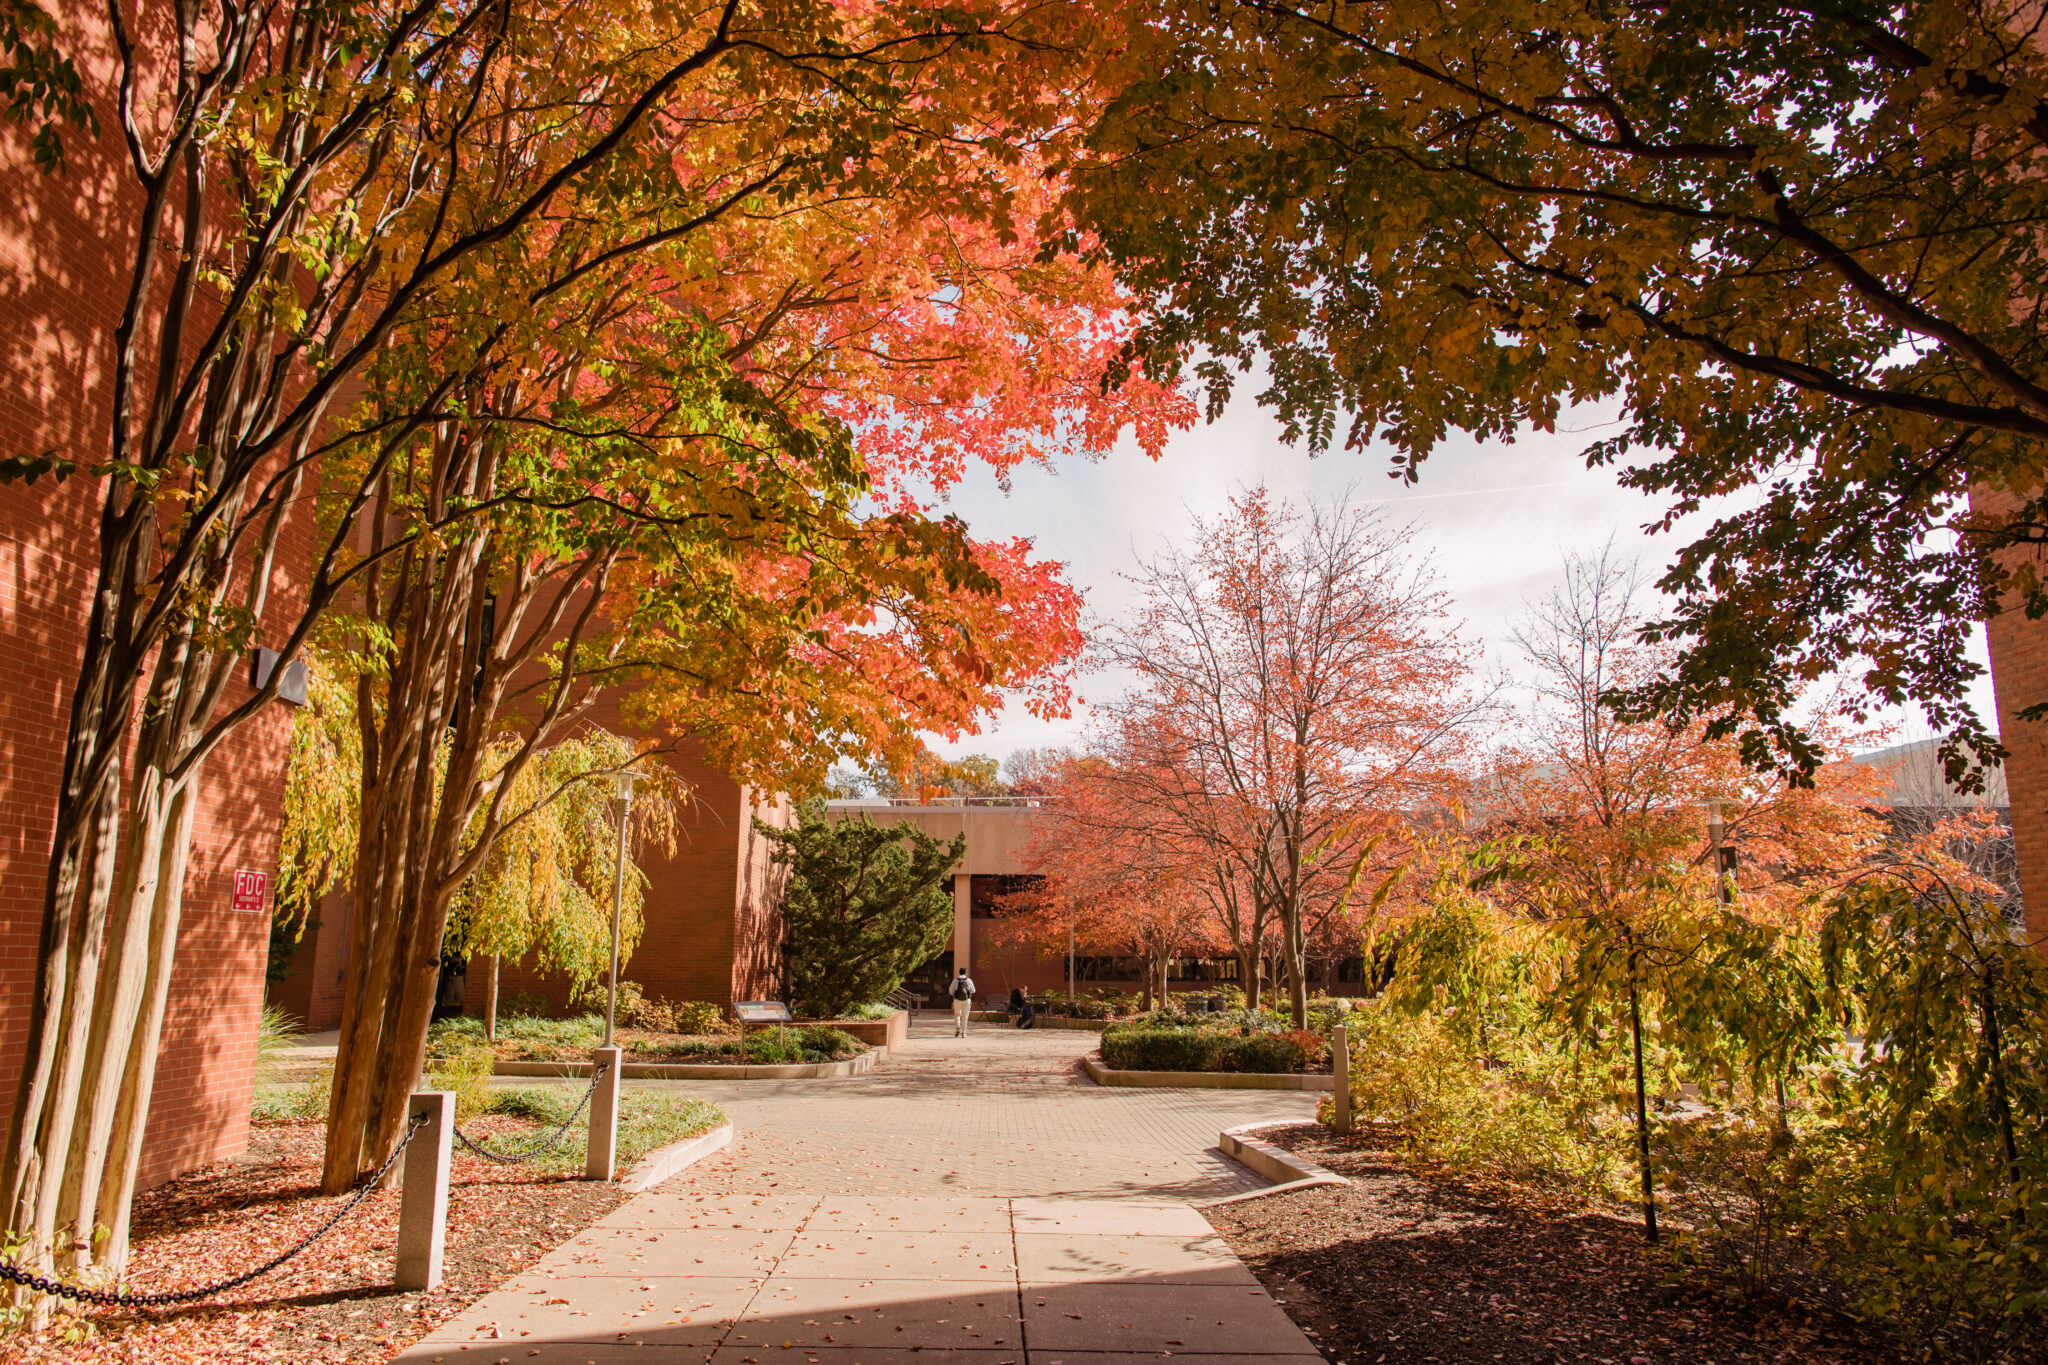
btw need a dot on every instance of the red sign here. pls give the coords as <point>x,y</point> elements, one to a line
<point>252,892</point>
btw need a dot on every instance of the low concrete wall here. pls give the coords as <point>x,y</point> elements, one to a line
<point>1203,1080</point>
<point>1286,1170</point>
<point>888,1033</point>
<point>663,1162</point>
<point>667,1071</point>
<point>1000,1017</point>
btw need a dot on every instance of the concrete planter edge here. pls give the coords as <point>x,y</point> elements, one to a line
<point>1204,1080</point>
<point>663,1162</point>
<point>1286,1170</point>
<point>667,1071</point>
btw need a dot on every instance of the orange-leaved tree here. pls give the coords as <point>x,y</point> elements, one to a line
<point>1298,690</point>
<point>1677,885</point>
<point>1110,885</point>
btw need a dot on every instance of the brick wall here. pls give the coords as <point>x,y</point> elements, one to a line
<point>712,932</point>
<point>310,990</point>
<point>2019,678</point>
<point>64,255</point>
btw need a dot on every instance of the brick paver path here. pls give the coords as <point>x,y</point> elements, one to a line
<point>970,1202</point>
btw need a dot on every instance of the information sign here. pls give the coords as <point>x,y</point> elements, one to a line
<point>252,892</point>
<point>761,1011</point>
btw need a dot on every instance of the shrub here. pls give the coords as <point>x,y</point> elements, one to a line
<point>276,1033</point>
<point>1536,1117</point>
<point>1135,1048</point>
<point>467,1072</point>
<point>1059,1007</point>
<point>831,1042</point>
<point>1269,1054</point>
<point>870,1009</point>
<point>701,1017</point>
<point>524,1035</point>
<point>639,1010</point>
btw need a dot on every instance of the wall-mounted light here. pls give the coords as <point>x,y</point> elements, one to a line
<point>291,688</point>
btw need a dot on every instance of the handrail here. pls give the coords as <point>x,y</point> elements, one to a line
<point>942,802</point>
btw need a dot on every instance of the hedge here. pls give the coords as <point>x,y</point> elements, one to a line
<point>1192,1049</point>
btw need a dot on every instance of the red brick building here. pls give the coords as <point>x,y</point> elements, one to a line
<point>712,931</point>
<point>59,304</point>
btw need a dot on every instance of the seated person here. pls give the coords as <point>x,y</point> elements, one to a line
<point>1021,1006</point>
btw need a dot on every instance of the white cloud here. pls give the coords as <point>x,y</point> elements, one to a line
<point>1498,518</point>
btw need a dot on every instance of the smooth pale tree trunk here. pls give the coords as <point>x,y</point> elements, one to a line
<point>124,1154</point>
<point>491,1002</point>
<point>148,885</point>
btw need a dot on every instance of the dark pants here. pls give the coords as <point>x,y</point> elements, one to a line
<point>1027,1017</point>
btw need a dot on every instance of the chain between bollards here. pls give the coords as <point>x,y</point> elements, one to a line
<point>28,1279</point>
<point>542,1146</point>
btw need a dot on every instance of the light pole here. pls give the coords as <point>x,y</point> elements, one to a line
<point>1722,862</point>
<point>624,781</point>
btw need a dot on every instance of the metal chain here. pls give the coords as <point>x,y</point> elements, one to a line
<point>544,1145</point>
<point>107,1297</point>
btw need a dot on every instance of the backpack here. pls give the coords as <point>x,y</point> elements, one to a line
<point>958,990</point>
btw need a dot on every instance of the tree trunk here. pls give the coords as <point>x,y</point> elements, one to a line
<point>491,1002</point>
<point>124,1155</point>
<point>1635,1024</point>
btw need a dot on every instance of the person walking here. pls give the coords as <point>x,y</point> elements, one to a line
<point>962,991</point>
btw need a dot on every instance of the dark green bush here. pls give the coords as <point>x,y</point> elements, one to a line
<point>1270,1054</point>
<point>1163,1044</point>
<point>1159,1049</point>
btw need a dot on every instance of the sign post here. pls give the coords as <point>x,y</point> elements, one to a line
<point>759,1012</point>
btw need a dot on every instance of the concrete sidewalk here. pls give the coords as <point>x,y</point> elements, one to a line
<point>675,1275</point>
<point>976,1196</point>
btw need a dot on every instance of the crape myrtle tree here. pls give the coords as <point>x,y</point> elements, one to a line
<point>712,478</point>
<point>1296,692</point>
<point>1799,246</point>
<point>866,905</point>
<point>318,188</point>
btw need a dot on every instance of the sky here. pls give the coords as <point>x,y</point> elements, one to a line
<point>1496,517</point>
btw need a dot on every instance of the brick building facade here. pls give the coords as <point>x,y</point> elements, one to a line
<point>712,930</point>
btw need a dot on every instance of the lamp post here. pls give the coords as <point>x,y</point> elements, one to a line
<point>1715,838</point>
<point>624,786</point>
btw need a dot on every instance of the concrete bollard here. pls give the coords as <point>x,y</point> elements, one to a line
<point>1340,1078</point>
<point>423,1199</point>
<point>602,1152</point>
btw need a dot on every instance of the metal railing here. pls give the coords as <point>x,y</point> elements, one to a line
<point>943,802</point>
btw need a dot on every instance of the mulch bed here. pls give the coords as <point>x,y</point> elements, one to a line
<point>1407,1268</point>
<point>335,1302</point>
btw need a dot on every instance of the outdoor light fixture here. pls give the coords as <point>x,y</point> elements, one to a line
<point>622,783</point>
<point>1723,856</point>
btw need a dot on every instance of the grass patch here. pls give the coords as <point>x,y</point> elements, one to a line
<point>647,1119</point>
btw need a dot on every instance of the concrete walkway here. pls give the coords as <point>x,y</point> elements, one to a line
<point>974,1197</point>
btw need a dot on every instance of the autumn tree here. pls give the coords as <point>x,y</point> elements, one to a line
<point>1296,690</point>
<point>1600,830</point>
<point>336,203</point>
<point>1800,247</point>
<point>1109,885</point>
